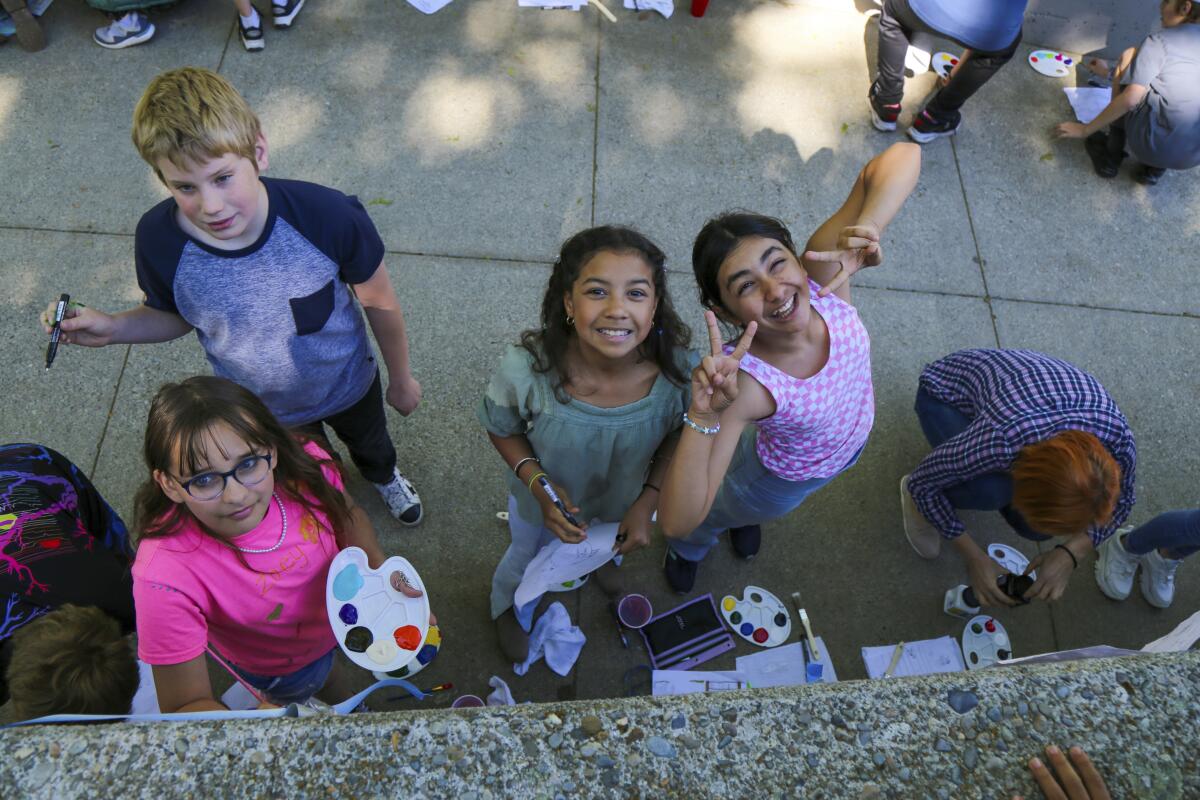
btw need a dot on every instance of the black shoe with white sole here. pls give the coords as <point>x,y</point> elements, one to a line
<point>746,541</point>
<point>285,11</point>
<point>252,37</point>
<point>926,127</point>
<point>680,572</point>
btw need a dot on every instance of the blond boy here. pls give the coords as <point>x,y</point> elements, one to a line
<point>267,272</point>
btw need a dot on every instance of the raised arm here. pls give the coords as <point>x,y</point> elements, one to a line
<point>850,239</point>
<point>724,401</point>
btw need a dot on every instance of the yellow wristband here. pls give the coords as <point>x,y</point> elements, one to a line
<point>536,475</point>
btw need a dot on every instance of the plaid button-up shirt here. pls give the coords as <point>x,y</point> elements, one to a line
<point>1014,398</point>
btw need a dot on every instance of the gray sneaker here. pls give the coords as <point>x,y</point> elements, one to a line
<point>1158,579</point>
<point>1115,566</point>
<point>923,537</point>
<point>401,498</point>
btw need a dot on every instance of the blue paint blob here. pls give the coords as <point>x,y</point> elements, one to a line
<point>347,583</point>
<point>348,614</point>
<point>746,629</point>
<point>426,654</point>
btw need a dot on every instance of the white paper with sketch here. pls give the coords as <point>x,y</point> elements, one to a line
<point>574,5</point>
<point>1087,101</point>
<point>687,681</point>
<point>428,6</point>
<point>925,657</point>
<point>664,7</point>
<point>779,666</point>
<point>559,562</point>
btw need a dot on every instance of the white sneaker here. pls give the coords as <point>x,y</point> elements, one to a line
<point>401,498</point>
<point>923,537</point>
<point>1115,566</point>
<point>133,28</point>
<point>1158,579</point>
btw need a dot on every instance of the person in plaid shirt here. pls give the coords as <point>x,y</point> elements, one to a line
<point>1028,435</point>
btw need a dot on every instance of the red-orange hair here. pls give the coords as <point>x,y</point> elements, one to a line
<point>1066,484</point>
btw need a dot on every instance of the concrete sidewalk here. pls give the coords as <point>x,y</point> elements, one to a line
<point>482,136</point>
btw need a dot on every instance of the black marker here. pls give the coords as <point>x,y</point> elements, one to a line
<point>59,311</point>
<point>553,495</point>
<point>612,609</point>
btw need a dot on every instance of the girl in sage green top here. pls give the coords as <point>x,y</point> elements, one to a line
<point>587,401</point>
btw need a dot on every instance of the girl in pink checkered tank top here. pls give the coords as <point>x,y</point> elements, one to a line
<point>789,407</point>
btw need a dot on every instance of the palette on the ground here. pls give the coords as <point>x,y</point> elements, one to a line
<point>759,617</point>
<point>984,642</point>
<point>377,625</point>
<point>1051,63</point>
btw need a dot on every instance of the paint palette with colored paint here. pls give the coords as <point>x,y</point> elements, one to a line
<point>1011,559</point>
<point>1051,63</point>
<point>759,617</point>
<point>377,626</point>
<point>984,642</point>
<point>427,652</point>
<point>942,63</point>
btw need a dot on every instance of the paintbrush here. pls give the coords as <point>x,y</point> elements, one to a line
<point>808,634</point>
<point>441,687</point>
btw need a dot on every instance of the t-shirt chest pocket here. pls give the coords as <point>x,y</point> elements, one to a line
<point>311,312</point>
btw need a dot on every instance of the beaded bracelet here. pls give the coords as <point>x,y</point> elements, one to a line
<point>698,428</point>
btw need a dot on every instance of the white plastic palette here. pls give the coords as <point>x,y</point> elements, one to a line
<point>759,617</point>
<point>378,628</point>
<point>942,63</point>
<point>1012,560</point>
<point>1051,63</point>
<point>984,642</point>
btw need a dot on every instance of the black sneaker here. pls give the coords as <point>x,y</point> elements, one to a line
<point>883,117</point>
<point>285,11</point>
<point>514,641</point>
<point>680,572</point>
<point>1148,175</point>
<point>252,37</point>
<point>746,541</point>
<point>926,127</point>
<point>1105,164</point>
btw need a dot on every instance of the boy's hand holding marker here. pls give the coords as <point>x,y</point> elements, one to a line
<point>80,325</point>
<point>714,382</point>
<point>857,247</point>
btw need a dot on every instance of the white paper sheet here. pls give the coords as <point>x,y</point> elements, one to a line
<point>1087,101</point>
<point>779,666</point>
<point>574,5</point>
<point>428,6</point>
<point>1183,637</point>
<point>145,700</point>
<point>238,698</point>
<point>559,562</point>
<point>687,681</point>
<point>664,7</point>
<point>924,657</point>
<point>1079,654</point>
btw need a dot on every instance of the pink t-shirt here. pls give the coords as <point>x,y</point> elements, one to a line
<point>820,422</point>
<point>190,590</point>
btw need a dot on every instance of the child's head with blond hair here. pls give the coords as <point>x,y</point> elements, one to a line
<point>73,660</point>
<point>191,115</point>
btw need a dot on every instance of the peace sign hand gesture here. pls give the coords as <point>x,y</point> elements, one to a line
<point>857,247</point>
<point>714,382</point>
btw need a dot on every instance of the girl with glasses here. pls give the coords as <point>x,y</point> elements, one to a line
<point>238,524</point>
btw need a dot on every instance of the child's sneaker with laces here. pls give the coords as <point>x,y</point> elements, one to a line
<point>926,127</point>
<point>133,28</point>
<point>284,12</point>
<point>401,498</point>
<point>1115,566</point>
<point>883,116</point>
<point>1158,579</point>
<point>746,540</point>
<point>680,572</point>
<point>251,33</point>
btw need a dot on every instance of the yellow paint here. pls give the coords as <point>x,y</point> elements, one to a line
<point>728,603</point>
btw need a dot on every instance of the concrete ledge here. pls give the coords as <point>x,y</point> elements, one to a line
<point>1138,717</point>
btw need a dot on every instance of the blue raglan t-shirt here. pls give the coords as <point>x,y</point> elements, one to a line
<point>277,316</point>
<point>984,25</point>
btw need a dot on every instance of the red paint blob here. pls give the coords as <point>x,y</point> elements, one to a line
<point>1033,58</point>
<point>759,635</point>
<point>954,62</point>
<point>408,637</point>
<point>989,626</point>
<point>51,544</point>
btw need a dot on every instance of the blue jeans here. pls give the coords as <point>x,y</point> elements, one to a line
<point>991,492</point>
<point>750,494</point>
<point>295,687</point>
<point>1177,532</point>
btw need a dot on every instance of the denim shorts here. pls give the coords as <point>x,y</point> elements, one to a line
<point>295,687</point>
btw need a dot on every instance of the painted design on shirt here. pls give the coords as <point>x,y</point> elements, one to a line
<point>13,618</point>
<point>20,538</point>
<point>309,529</point>
<point>290,559</point>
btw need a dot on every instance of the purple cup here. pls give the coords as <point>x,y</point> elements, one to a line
<point>467,701</point>
<point>634,611</point>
